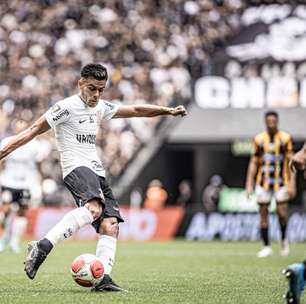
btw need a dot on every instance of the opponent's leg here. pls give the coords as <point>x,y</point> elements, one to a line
<point>18,229</point>
<point>282,213</point>
<point>7,224</point>
<point>71,222</point>
<point>295,274</point>
<point>106,250</point>
<point>264,231</point>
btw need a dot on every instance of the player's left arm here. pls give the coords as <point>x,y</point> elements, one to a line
<point>292,175</point>
<point>40,126</point>
<point>148,111</point>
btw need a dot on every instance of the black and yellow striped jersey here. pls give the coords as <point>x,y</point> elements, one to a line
<point>272,153</point>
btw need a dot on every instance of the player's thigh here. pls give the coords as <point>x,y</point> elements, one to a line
<point>263,196</point>
<point>84,185</point>
<point>111,208</point>
<point>282,195</point>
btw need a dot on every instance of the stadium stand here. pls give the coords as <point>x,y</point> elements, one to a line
<point>154,59</point>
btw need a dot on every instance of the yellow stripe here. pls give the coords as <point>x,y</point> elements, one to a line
<point>277,164</point>
<point>266,163</point>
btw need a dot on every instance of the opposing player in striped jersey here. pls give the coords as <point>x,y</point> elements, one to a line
<point>269,164</point>
<point>19,173</point>
<point>75,122</point>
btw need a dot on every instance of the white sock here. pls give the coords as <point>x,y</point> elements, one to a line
<point>106,250</point>
<point>18,229</point>
<point>70,223</point>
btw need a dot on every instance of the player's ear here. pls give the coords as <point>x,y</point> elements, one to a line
<point>81,83</point>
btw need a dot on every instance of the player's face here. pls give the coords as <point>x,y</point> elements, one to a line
<point>91,90</point>
<point>272,124</point>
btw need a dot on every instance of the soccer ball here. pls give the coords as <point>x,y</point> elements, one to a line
<point>87,270</point>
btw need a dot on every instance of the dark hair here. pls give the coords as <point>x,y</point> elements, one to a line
<point>94,70</point>
<point>271,113</point>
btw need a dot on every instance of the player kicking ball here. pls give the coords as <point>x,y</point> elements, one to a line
<point>75,121</point>
<point>295,273</point>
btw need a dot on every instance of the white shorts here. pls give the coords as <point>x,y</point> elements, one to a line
<point>264,197</point>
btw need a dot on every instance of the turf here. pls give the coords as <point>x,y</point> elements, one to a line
<point>174,272</point>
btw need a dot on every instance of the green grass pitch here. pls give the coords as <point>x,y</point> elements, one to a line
<point>170,272</point>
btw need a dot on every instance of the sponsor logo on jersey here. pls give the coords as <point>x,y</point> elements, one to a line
<point>55,109</point>
<point>81,120</point>
<point>86,138</point>
<point>60,115</point>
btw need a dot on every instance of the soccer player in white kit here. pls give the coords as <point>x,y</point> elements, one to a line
<point>75,122</point>
<point>20,171</point>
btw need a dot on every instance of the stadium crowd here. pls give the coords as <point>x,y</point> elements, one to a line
<point>153,50</point>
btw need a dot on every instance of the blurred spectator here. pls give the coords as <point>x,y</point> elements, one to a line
<point>185,193</point>
<point>136,198</point>
<point>156,195</point>
<point>210,195</point>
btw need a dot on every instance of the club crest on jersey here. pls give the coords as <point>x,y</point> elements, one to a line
<point>109,105</point>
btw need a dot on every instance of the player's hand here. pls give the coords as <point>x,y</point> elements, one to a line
<point>179,110</point>
<point>296,163</point>
<point>249,190</point>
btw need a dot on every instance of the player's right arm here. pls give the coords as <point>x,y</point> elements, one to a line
<point>298,160</point>
<point>40,126</point>
<point>252,170</point>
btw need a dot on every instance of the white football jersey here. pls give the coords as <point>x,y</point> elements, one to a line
<point>20,167</point>
<point>75,126</point>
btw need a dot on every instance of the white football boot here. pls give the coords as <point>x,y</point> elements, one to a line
<point>265,252</point>
<point>285,249</point>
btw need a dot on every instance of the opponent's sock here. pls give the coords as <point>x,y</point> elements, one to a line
<point>7,233</point>
<point>106,250</point>
<point>283,228</point>
<point>18,229</point>
<point>265,236</point>
<point>70,223</point>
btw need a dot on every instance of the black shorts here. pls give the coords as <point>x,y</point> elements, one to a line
<point>85,185</point>
<point>19,196</point>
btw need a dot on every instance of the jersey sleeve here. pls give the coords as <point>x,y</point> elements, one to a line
<point>58,114</point>
<point>4,142</point>
<point>110,109</point>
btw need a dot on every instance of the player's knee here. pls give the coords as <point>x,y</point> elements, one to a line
<point>264,222</point>
<point>109,226</point>
<point>95,208</point>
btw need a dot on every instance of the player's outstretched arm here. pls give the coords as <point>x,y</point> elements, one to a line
<point>148,111</point>
<point>252,169</point>
<point>40,126</point>
<point>298,160</point>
